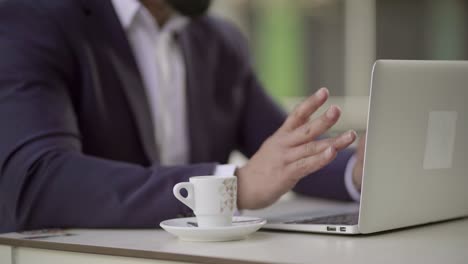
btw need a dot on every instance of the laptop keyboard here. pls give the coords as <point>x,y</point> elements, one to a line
<point>341,219</point>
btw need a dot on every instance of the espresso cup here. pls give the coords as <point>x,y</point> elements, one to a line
<point>212,198</point>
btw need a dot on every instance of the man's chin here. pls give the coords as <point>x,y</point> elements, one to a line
<point>190,8</point>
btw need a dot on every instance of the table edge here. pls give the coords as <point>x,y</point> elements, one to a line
<point>121,252</point>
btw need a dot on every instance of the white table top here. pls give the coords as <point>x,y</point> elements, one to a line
<point>436,243</point>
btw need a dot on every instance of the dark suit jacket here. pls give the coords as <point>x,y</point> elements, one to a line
<point>76,142</point>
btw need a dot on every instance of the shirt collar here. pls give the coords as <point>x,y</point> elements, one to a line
<point>127,10</point>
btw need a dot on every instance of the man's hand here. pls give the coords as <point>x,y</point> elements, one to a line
<point>359,166</point>
<point>290,154</point>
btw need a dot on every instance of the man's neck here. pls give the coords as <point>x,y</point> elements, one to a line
<point>159,10</point>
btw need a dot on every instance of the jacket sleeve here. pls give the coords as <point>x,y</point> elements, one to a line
<point>45,179</point>
<point>261,117</point>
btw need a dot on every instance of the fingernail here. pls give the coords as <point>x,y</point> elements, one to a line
<point>329,152</point>
<point>351,134</point>
<point>321,93</point>
<point>331,112</point>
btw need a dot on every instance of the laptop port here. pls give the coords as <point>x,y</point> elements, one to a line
<point>343,229</point>
<point>331,228</point>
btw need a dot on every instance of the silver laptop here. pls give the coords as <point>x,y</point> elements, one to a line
<point>416,157</point>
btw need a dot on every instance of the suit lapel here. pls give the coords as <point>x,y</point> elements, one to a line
<point>196,84</point>
<point>105,25</point>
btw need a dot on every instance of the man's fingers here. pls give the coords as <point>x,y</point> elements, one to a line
<point>344,140</point>
<point>313,129</point>
<point>302,167</point>
<point>314,147</point>
<point>301,114</point>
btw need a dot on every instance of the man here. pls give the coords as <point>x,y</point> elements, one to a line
<point>105,105</point>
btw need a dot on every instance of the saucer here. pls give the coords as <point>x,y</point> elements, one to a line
<point>185,229</point>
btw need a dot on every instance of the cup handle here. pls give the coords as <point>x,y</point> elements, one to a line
<point>189,200</point>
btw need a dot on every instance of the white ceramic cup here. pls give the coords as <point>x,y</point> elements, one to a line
<point>212,198</point>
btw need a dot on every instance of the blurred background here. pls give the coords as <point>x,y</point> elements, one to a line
<point>299,46</point>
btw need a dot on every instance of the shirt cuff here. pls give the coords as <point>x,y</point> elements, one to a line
<point>348,178</point>
<point>225,170</point>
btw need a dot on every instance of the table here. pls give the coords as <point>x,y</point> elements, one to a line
<point>445,242</point>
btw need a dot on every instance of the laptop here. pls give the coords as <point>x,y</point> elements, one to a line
<point>416,156</point>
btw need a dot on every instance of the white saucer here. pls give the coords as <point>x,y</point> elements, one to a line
<point>181,228</point>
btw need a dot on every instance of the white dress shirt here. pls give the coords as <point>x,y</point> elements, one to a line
<point>161,64</point>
